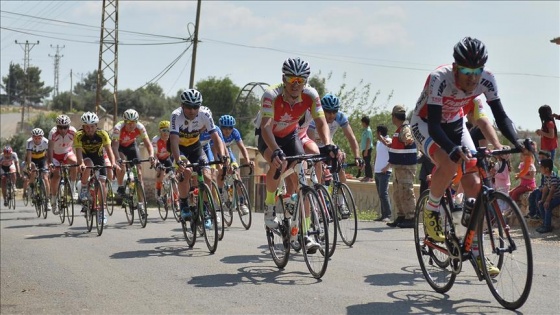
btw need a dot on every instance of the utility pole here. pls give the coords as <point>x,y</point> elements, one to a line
<point>56,57</point>
<point>71,90</point>
<point>195,44</point>
<point>108,52</point>
<point>27,46</point>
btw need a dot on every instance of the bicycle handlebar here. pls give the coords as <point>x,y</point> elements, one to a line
<point>133,161</point>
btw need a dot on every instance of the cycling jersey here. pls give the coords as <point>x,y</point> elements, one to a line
<point>189,130</point>
<point>62,144</point>
<point>440,89</point>
<point>235,136</point>
<point>127,138</point>
<point>303,126</point>
<point>10,160</point>
<point>161,148</point>
<point>340,120</point>
<point>38,151</point>
<point>92,145</point>
<point>477,107</point>
<point>284,116</point>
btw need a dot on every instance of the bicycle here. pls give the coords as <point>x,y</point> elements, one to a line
<point>94,205</point>
<point>347,218</point>
<point>290,225</point>
<point>203,209</point>
<point>169,195</point>
<point>27,193</point>
<point>134,191</point>
<point>10,191</point>
<point>111,200</point>
<point>499,244</point>
<point>237,197</point>
<point>39,193</point>
<point>64,195</point>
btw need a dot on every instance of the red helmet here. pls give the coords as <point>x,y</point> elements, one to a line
<point>7,150</point>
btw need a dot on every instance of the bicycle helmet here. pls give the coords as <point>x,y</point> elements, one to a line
<point>164,124</point>
<point>296,67</point>
<point>227,121</point>
<point>89,118</point>
<point>330,102</point>
<point>7,150</point>
<point>130,114</point>
<point>37,132</point>
<point>191,97</point>
<point>63,120</point>
<point>470,53</point>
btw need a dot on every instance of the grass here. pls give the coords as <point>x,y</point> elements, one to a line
<point>367,215</point>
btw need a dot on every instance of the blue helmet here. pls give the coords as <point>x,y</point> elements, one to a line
<point>227,121</point>
<point>330,102</point>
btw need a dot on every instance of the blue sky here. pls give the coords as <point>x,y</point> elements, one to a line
<point>391,45</point>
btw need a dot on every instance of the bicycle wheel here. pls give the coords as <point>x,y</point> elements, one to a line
<point>507,246</point>
<point>433,259</point>
<point>208,213</point>
<point>12,194</point>
<point>242,199</point>
<point>89,216</point>
<point>69,203</point>
<point>326,202</point>
<point>219,207</point>
<point>315,227</point>
<point>228,210</point>
<point>174,200</point>
<point>128,205</point>
<point>189,230</point>
<point>347,216</point>
<point>60,197</point>
<point>163,207</point>
<point>142,211</point>
<point>279,238</point>
<point>36,200</point>
<point>26,196</point>
<point>44,199</point>
<point>110,205</point>
<point>98,206</point>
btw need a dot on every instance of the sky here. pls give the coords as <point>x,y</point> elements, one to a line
<point>391,45</point>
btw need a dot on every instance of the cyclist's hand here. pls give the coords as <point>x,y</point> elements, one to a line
<point>277,158</point>
<point>458,154</point>
<point>152,161</point>
<point>360,162</point>
<point>82,167</point>
<point>116,167</point>
<point>180,166</point>
<point>251,164</point>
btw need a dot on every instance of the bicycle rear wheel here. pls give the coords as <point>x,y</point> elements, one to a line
<point>60,197</point>
<point>434,259</point>
<point>99,207</point>
<point>208,213</point>
<point>127,204</point>
<point>142,211</point>
<point>326,202</point>
<point>219,207</point>
<point>89,216</point>
<point>347,216</point>
<point>163,207</point>
<point>26,195</point>
<point>110,205</point>
<point>189,230</point>
<point>174,200</point>
<point>507,246</point>
<point>315,227</point>
<point>228,211</point>
<point>68,203</point>
<point>36,199</point>
<point>12,194</point>
<point>242,199</point>
<point>44,199</point>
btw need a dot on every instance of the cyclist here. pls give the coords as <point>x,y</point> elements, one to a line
<point>10,165</point>
<point>283,105</point>
<point>61,138</point>
<point>210,148</point>
<point>162,149</point>
<point>231,135</point>
<point>90,142</point>
<point>123,143</point>
<point>187,123</point>
<point>37,147</point>
<point>440,130</point>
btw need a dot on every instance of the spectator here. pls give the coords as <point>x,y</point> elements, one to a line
<point>548,131</point>
<point>526,176</point>
<point>550,195</point>
<point>382,171</point>
<point>536,194</point>
<point>366,144</point>
<point>425,171</point>
<point>402,157</point>
<point>501,171</point>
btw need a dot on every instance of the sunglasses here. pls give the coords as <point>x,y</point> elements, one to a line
<point>294,80</point>
<point>193,107</point>
<point>228,128</point>
<point>129,122</point>
<point>62,127</point>
<point>469,71</point>
<point>164,130</point>
<point>330,111</point>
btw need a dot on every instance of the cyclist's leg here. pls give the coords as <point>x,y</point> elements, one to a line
<point>54,181</point>
<point>41,165</point>
<point>269,217</point>
<point>2,172</point>
<point>70,159</point>
<point>85,176</point>
<point>120,173</point>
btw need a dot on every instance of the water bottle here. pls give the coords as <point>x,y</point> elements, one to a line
<point>467,210</point>
<point>293,231</point>
<point>289,205</point>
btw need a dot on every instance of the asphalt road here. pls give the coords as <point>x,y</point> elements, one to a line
<point>48,267</point>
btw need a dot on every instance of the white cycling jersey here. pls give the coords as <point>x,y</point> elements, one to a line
<point>10,160</point>
<point>62,144</point>
<point>340,121</point>
<point>189,130</point>
<point>38,151</point>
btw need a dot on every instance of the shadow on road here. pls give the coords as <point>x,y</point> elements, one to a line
<point>162,251</point>
<point>254,276</point>
<point>32,225</point>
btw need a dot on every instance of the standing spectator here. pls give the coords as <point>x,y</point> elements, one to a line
<point>425,171</point>
<point>402,157</point>
<point>536,194</point>
<point>366,144</point>
<point>550,195</point>
<point>548,131</point>
<point>526,176</point>
<point>382,170</point>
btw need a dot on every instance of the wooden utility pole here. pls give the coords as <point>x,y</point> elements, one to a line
<point>195,44</point>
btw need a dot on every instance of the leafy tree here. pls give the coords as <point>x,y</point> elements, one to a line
<point>17,80</point>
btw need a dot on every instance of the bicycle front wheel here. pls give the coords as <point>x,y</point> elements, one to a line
<point>26,195</point>
<point>347,216</point>
<point>141,206</point>
<point>279,238</point>
<point>174,200</point>
<point>505,244</point>
<point>36,199</point>
<point>12,194</point>
<point>242,204</point>
<point>68,203</point>
<point>219,206</point>
<point>434,259</point>
<point>330,216</point>
<point>127,204</point>
<point>110,205</point>
<point>315,244</point>
<point>44,199</point>
<point>208,218</point>
<point>98,206</point>
<point>163,207</point>
<point>60,197</point>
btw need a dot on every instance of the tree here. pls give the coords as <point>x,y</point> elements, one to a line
<point>29,85</point>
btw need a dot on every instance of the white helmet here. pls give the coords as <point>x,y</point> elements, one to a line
<point>63,120</point>
<point>191,97</point>
<point>130,114</point>
<point>296,67</point>
<point>89,118</point>
<point>37,132</point>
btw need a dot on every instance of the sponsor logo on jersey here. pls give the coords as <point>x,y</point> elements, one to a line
<point>417,134</point>
<point>488,85</point>
<point>441,88</point>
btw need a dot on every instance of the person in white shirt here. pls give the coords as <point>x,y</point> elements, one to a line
<point>382,172</point>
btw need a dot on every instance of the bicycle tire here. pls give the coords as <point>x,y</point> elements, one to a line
<point>219,210</point>
<point>434,263</point>
<point>330,216</point>
<point>60,197</point>
<point>174,200</point>
<point>89,215</point>
<point>36,200</point>
<point>347,223</point>
<point>12,194</point>
<point>142,211</point>
<point>163,209</point>
<point>110,204</point>
<point>26,196</point>
<point>44,199</point>
<point>208,213</point>
<point>246,219</point>
<point>511,287</point>
<point>317,230</point>
<point>278,239</point>
<point>228,212</point>
<point>99,206</point>
<point>127,204</point>
<point>69,205</point>
<point>189,230</point>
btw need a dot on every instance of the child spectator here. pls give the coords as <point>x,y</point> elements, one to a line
<point>548,131</point>
<point>550,195</point>
<point>526,176</point>
<point>501,171</point>
<point>536,194</point>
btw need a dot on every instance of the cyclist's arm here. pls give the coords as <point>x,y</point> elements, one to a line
<point>110,154</point>
<point>550,133</point>
<point>488,131</point>
<point>148,145</point>
<point>216,138</point>
<point>267,135</point>
<point>50,152</point>
<point>323,129</point>
<point>243,150</point>
<point>28,158</point>
<point>79,156</point>
<point>435,130</point>
<point>505,125</point>
<point>349,133</point>
<point>174,140</point>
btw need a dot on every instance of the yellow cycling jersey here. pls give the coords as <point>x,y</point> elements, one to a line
<point>93,144</point>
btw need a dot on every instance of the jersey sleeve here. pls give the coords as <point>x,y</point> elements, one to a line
<point>436,86</point>
<point>491,88</point>
<point>174,122</point>
<point>142,131</point>
<point>341,119</point>
<point>267,103</point>
<point>116,134</point>
<point>316,108</point>
<point>236,135</point>
<point>78,140</point>
<point>105,140</point>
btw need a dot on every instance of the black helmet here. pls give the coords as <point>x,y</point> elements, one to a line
<point>470,53</point>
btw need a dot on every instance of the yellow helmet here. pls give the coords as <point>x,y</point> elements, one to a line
<point>164,124</point>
